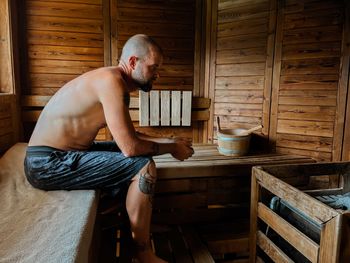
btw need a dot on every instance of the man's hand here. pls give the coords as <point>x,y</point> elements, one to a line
<point>183,149</point>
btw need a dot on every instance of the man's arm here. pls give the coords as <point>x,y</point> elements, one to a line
<point>154,139</point>
<point>112,95</point>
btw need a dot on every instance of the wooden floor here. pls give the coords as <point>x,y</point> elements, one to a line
<point>178,244</point>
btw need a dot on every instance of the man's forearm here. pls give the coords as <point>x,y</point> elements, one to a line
<point>154,139</point>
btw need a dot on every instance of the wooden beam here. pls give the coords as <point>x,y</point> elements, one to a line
<point>254,199</point>
<point>330,241</point>
<point>344,83</point>
<point>115,52</point>
<point>33,115</point>
<point>276,76</point>
<point>211,51</point>
<point>273,251</point>
<point>107,32</point>
<point>292,235</point>
<point>314,209</point>
<point>40,101</point>
<point>269,68</point>
<point>198,250</point>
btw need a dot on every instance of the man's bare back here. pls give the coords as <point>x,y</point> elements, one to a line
<point>74,115</point>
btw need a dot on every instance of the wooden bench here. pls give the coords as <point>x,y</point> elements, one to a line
<point>40,226</point>
<point>201,206</point>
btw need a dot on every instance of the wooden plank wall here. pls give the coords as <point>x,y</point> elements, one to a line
<point>171,24</point>
<point>307,100</point>
<point>283,64</point>
<point>9,119</point>
<point>345,67</point>
<point>63,39</point>
<point>243,70</point>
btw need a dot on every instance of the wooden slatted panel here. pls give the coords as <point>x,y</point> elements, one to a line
<point>171,24</point>
<point>274,252</point>
<point>186,108</point>
<point>154,108</point>
<point>296,198</point>
<point>144,108</point>
<point>64,40</point>
<point>165,112</point>
<point>243,62</point>
<point>160,110</point>
<point>306,92</point>
<point>175,108</point>
<point>297,239</point>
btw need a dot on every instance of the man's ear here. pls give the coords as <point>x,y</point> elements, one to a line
<point>132,61</point>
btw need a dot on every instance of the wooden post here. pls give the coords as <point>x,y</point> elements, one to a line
<point>344,85</point>
<point>211,49</point>
<point>269,68</point>
<point>330,241</point>
<point>254,199</point>
<point>276,76</point>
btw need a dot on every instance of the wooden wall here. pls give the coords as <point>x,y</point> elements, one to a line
<point>284,64</point>
<point>62,39</point>
<point>9,94</point>
<point>307,97</point>
<point>244,42</point>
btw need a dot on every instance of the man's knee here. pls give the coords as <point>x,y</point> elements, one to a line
<point>147,178</point>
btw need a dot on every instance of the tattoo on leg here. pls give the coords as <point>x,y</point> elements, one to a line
<point>147,184</point>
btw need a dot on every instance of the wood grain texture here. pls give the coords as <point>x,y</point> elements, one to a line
<point>244,59</point>
<point>342,136</point>
<point>306,98</point>
<point>293,236</point>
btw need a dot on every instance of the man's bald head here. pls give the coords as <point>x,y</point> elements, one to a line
<point>140,46</point>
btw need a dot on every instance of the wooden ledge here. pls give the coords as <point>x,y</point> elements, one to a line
<point>200,108</point>
<point>208,162</point>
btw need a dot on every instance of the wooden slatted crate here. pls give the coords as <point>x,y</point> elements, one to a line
<point>311,230</point>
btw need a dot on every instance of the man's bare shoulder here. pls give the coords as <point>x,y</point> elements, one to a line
<point>110,78</point>
<point>110,85</point>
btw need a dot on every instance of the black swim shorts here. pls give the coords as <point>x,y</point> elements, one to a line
<point>103,166</point>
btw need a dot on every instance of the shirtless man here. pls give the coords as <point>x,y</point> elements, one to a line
<point>62,154</point>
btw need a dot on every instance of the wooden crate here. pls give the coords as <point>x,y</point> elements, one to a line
<point>293,185</point>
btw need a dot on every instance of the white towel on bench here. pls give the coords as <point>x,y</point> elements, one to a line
<point>38,226</point>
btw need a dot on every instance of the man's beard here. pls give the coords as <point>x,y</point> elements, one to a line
<point>143,85</point>
<point>146,87</point>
